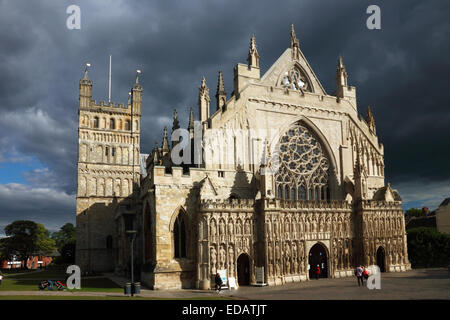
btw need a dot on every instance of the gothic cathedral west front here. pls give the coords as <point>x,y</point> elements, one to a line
<point>281,176</point>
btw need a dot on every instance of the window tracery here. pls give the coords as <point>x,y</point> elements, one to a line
<point>303,166</point>
<point>295,79</point>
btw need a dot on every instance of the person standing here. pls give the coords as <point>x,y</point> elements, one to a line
<point>359,275</point>
<point>365,274</point>
<point>318,271</point>
<point>218,281</point>
<point>1,278</point>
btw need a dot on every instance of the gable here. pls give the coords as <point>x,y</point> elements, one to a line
<point>294,74</point>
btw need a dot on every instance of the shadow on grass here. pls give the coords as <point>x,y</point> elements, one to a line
<point>87,285</point>
<point>31,297</point>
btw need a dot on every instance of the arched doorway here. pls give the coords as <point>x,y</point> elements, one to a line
<point>243,270</point>
<point>381,259</point>
<point>318,256</point>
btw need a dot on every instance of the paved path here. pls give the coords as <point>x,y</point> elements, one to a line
<point>415,284</point>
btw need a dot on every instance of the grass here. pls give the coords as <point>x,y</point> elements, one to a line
<point>31,297</point>
<point>51,274</point>
<point>87,285</point>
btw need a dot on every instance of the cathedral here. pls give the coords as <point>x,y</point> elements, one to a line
<point>281,177</point>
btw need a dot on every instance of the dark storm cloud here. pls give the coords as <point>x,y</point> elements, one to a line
<point>402,71</point>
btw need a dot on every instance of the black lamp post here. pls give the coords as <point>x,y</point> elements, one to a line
<point>132,234</point>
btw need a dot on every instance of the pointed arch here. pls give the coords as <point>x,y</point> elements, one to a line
<point>179,231</point>
<point>332,170</point>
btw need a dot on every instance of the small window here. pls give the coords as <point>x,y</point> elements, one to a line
<point>113,151</point>
<point>221,174</point>
<point>106,151</point>
<point>127,125</point>
<point>96,122</point>
<point>112,124</point>
<point>109,242</point>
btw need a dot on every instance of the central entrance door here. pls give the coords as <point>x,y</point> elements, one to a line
<point>381,259</point>
<point>318,256</point>
<point>243,270</point>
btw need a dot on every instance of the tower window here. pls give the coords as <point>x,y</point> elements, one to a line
<point>106,151</point>
<point>112,124</point>
<point>113,151</point>
<point>127,125</point>
<point>95,122</point>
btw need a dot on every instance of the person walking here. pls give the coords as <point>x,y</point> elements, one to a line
<point>365,274</point>
<point>317,272</point>
<point>359,275</point>
<point>218,281</point>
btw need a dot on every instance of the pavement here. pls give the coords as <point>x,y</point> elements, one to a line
<point>416,284</point>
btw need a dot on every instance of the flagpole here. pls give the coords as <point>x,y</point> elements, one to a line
<point>109,84</point>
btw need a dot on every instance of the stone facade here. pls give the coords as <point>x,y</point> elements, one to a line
<point>108,172</point>
<point>291,177</point>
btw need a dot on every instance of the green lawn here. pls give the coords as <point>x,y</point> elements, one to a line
<point>43,275</point>
<point>24,297</point>
<point>87,285</point>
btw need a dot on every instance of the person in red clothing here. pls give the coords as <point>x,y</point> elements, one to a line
<point>317,272</point>
<point>365,274</point>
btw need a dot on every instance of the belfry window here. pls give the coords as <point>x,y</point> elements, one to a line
<point>95,122</point>
<point>303,166</point>
<point>112,123</point>
<point>179,237</point>
<point>127,125</point>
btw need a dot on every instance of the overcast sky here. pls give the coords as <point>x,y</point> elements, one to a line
<point>402,71</point>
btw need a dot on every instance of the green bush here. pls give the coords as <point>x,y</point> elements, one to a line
<point>428,248</point>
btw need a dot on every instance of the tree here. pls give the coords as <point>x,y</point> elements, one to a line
<point>65,242</point>
<point>428,247</point>
<point>65,235</point>
<point>412,212</point>
<point>26,239</point>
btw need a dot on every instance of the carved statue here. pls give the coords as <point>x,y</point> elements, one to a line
<point>247,227</point>
<point>212,229</point>
<point>213,259</point>
<point>238,227</point>
<point>296,271</point>
<point>222,227</point>
<point>230,227</point>
<point>231,260</point>
<point>222,257</point>
<point>277,253</point>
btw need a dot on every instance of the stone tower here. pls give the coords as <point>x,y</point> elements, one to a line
<point>107,174</point>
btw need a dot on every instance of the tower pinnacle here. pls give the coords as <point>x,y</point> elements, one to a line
<point>370,120</point>
<point>295,47</point>
<point>253,56</point>
<point>221,95</point>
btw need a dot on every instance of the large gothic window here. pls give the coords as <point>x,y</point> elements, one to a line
<point>303,166</point>
<point>179,237</point>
